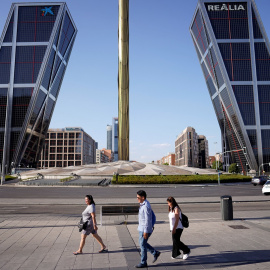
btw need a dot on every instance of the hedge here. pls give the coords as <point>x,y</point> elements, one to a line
<point>178,179</point>
<point>9,177</point>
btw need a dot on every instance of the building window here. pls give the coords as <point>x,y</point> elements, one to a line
<point>59,142</point>
<point>52,164</point>
<point>60,136</point>
<point>53,136</point>
<point>71,142</point>
<point>53,142</point>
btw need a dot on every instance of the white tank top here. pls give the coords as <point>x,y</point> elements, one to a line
<point>172,221</point>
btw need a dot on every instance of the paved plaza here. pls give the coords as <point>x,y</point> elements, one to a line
<point>43,241</point>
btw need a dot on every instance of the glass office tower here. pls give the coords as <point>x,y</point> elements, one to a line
<point>233,52</point>
<point>35,47</point>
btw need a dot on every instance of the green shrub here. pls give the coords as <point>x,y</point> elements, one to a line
<point>233,168</point>
<point>217,165</point>
<point>9,177</point>
<point>178,179</point>
<point>66,179</point>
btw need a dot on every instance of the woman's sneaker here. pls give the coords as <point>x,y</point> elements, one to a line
<point>185,256</point>
<point>177,257</point>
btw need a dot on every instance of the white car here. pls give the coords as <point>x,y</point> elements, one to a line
<point>266,188</point>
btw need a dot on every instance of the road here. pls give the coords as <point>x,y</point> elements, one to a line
<point>179,191</point>
<point>244,189</point>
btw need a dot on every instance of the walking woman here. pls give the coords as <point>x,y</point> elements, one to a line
<point>91,228</point>
<point>176,228</point>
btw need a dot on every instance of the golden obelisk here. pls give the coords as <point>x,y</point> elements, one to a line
<point>123,81</point>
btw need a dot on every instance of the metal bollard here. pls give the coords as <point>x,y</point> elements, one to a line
<point>226,207</point>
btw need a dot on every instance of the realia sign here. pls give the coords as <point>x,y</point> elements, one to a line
<point>225,7</point>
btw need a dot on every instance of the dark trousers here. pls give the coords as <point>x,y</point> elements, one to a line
<point>178,245</point>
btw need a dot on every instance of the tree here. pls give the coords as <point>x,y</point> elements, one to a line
<point>233,168</point>
<point>215,165</point>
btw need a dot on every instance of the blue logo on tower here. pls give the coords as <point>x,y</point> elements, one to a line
<point>47,10</point>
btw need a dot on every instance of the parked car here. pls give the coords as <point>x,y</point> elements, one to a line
<point>266,188</point>
<point>259,180</point>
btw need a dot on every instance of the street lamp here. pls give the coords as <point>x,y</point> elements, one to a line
<point>215,143</point>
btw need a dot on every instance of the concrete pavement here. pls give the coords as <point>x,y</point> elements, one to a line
<point>47,241</point>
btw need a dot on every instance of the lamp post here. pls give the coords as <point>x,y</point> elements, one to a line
<point>215,143</point>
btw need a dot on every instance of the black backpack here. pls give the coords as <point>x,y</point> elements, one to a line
<point>184,220</point>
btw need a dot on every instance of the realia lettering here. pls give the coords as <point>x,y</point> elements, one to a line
<point>225,7</point>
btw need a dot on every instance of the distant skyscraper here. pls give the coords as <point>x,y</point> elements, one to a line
<point>109,137</point>
<point>234,54</point>
<point>35,47</point>
<point>115,137</point>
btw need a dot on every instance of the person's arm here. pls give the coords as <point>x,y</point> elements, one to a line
<point>94,221</point>
<point>148,221</point>
<point>177,213</point>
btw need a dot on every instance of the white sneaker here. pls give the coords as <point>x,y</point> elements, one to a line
<point>177,257</point>
<point>185,256</point>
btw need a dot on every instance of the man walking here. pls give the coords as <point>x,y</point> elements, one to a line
<point>145,229</point>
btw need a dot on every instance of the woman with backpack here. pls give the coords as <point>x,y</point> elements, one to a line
<point>176,228</point>
<point>89,217</point>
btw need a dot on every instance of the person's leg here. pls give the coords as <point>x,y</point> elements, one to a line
<point>98,238</point>
<point>152,250</point>
<point>143,247</point>
<point>149,247</point>
<point>176,243</point>
<point>182,246</point>
<point>82,243</point>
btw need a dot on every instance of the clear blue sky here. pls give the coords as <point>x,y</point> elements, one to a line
<point>167,88</point>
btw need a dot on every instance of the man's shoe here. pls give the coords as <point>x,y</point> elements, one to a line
<point>141,265</point>
<point>185,256</point>
<point>156,256</point>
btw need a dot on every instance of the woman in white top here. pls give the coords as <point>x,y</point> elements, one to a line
<point>176,228</point>
<point>89,216</point>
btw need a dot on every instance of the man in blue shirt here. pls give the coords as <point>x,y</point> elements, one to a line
<point>145,229</point>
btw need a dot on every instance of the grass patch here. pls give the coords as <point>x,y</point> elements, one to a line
<point>66,179</point>
<point>178,179</point>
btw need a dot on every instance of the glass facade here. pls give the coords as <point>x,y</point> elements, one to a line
<point>34,52</point>
<point>233,51</point>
